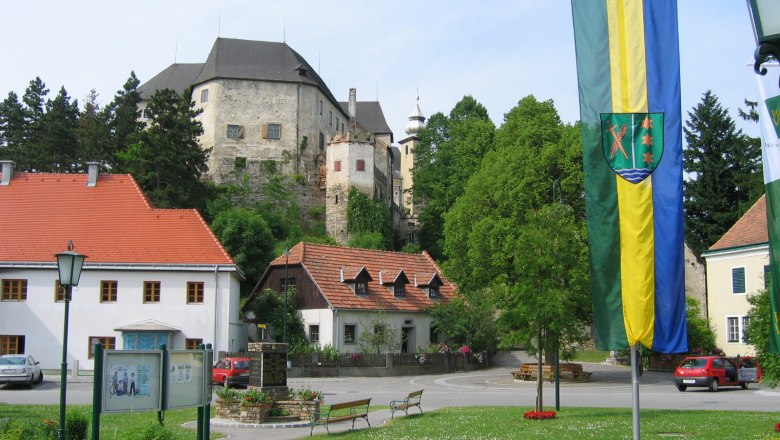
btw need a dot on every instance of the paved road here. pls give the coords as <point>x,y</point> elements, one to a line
<point>610,386</point>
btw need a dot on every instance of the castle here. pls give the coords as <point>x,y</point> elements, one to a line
<point>266,112</point>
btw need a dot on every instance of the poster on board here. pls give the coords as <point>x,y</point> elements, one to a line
<point>185,379</point>
<point>131,380</point>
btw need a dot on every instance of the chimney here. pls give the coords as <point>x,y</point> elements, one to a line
<point>92,173</point>
<point>8,172</point>
<point>352,106</point>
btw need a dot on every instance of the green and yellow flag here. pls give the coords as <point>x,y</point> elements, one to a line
<point>629,82</point>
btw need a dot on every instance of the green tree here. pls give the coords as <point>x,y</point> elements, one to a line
<point>723,166</point>
<point>247,236</point>
<point>59,134</point>
<point>757,335</point>
<point>167,161</point>
<point>450,151</point>
<point>269,308</point>
<point>367,220</point>
<point>124,120</point>
<point>465,322</point>
<point>379,336</point>
<point>93,132</point>
<point>31,155</point>
<point>700,334</point>
<point>12,127</point>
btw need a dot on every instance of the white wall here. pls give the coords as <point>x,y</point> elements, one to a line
<point>40,318</point>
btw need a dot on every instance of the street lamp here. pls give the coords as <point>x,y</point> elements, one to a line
<point>69,266</point>
<point>286,285</point>
<point>765,15</point>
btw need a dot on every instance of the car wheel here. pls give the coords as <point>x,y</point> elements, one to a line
<point>40,378</point>
<point>744,385</point>
<point>681,388</point>
<point>225,382</point>
<point>714,385</point>
<point>31,382</point>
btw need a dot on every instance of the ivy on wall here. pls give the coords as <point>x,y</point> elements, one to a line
<point>366,215</point>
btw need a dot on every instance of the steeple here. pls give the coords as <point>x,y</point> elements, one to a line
<point>416,120</point>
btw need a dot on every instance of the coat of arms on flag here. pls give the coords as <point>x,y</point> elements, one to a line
<point>633,143</point>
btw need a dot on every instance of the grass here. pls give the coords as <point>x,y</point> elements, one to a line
<point>477,423</point>
<point>591,356</point>
<point>125,426</point>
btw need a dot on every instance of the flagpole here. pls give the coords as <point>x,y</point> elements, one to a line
<point>635,391</point>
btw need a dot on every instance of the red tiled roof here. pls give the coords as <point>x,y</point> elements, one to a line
<point>111,222</point>
<point>749,229</point>
<point>323,263</point>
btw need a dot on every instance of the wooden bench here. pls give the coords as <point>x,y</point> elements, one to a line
<point>413,399</point>
<point>358,409</point>
<point>567,371</point>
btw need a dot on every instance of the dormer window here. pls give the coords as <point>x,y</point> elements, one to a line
<point>430,282</point>
<point>399,290</point>
<point>356,278</point>
<point>433,291</point>
<point>361,288</point>
<point>395,281</point>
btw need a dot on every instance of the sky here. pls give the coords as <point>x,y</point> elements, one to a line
<point>390,51</point>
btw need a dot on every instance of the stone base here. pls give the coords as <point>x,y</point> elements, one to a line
<point>303,409</point>
<point>253,413</point>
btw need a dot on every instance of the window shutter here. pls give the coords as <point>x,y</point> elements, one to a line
<point>265,131</point>
<point>738,280</point>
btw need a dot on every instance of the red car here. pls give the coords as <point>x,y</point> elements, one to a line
<point>231,371</point>
<point>707,371</point>
<point>749,370</point>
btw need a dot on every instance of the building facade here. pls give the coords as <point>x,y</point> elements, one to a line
<point>151,276</point>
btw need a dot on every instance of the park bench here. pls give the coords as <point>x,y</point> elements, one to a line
<point>566,371</point>
<point>413,399</point>
<point>358,409</point>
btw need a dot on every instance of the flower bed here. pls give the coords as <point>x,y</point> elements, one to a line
<point>539,415</point>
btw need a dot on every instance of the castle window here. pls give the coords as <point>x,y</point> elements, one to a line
<point>337,123</point>
<point>204,95</point>
<point>337,165</point>
<point>360,165</point>
<point>240,163</point>
<point>272,131</point>
<point>331,118</point>
<point>321,107</point>
<point>235,131</point>
<point>407,149</point>
<point>322,141</point>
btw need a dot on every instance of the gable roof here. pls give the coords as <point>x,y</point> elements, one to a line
<point>370,116</point>
<point>177,77</point>
<point>324,263</point>
<point>111,222</point>
<point>750,229</point>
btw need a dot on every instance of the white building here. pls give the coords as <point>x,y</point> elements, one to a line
<point>152,276</point>
<point>737,266</point>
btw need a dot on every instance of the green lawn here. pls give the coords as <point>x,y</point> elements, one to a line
<point>476,423</point>
<point>591,356</point>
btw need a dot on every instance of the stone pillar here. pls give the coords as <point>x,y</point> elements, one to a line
<point>268,372</point>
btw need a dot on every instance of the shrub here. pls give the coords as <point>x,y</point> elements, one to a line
<point>76,426</point>
<point>256,396</point>
<point>156,431</point>
<point>229,394</point>
<point>306,394</point>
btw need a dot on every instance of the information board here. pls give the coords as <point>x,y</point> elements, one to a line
<point>131,380</point>
<point>186,380</point>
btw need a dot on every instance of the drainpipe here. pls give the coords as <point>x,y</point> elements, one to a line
<point>216,304</point>
<point>297,127</point>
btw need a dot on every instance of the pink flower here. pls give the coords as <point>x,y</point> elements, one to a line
<point>777,427</point>
<point>465,349</point>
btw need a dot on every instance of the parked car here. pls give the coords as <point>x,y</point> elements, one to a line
<point>20,368</point>
<point>707,371</point>
<point>231,371</point>
<point>749,370</point>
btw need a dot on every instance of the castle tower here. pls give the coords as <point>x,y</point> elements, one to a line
<point>410,210</point>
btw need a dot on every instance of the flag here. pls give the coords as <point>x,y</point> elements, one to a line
<point>769,119</point>
<point>628,66</point>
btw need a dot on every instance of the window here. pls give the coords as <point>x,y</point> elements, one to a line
<point>314,333</point>
<point>337,123</point>
<point>192,343</point>
<point>194,292</point>
<point>109,343</point>
<point>331,118</point>
<point>360,165</point>
<point>59,292</point>
<point>433,335</point>
<point>361,287</point>
<point>235,132</point>
<point>738,280</point>
<point>240,163</point>
<point>274,131</point>
<point>321,107</point>
<point>767,276</point>
<point>337,165</point>
<point>14,290</point>
<point>745,324</point>
<point>349,333</point>
<point>322,141</point>
<point>204,95</point>
<point>286,283</point>
<point>399,290</point>
<point>11,344</point>
<point>407,150</point>
<point>151,291</point>
<point>433,291</point>
<point>732,325</point>
<point>108,291</point>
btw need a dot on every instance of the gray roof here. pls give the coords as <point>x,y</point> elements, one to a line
<point>370,116</point>
<point>176,77</point>
<point>231,58</point>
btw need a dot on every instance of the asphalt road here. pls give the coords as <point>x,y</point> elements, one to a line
<point>610,386</point>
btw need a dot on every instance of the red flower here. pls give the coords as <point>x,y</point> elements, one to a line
<point>539,415</point>
<point>777,427</point>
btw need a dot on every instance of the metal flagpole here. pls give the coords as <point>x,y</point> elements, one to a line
<point>635,391</point>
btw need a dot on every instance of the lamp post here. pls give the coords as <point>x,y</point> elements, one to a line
<point>286,285</point>
<point>69,266</point>
<point>765,15</point>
